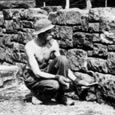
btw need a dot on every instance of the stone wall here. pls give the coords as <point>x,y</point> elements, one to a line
<point>5,4</point>
<point>16,27</point>
<point>88,40</point>
<point>86,37</point>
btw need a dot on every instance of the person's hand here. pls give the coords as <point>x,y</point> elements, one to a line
<point>65,82</point>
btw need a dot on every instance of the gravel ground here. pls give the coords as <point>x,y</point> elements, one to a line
<point>16,106</point>
<point>80,108</point>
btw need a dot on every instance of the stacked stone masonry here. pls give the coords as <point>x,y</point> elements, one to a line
<point>86,37</point>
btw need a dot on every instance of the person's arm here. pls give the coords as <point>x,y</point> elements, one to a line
<point>71,75</point>
<point>56,48</point>
<point>34,65</point>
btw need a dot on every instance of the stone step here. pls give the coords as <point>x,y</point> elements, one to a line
<point>10,86</point>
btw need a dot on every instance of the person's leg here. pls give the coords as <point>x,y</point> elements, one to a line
<point>60,66</point>
<point>45,90</point>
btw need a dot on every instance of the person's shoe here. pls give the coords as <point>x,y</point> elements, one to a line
<point>65,101</point>
<point>28,97</point>
<point>35,101</point>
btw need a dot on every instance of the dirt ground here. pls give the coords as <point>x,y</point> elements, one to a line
<point>16,106</point>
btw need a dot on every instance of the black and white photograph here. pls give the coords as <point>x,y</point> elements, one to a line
<point>57,57</point>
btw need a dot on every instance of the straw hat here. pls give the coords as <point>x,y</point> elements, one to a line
<point>42,25</point>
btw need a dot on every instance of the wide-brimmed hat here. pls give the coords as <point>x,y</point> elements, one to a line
<point>42,25</point>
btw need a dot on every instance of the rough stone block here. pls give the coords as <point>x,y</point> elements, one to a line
<point>1,19</point>
<point>65,35</point>
<point>21,37</point>
<point>111,62</point>
<point>107,38</point>
<point>111,48</point>
<point>99,50</point>
<point>107,87</point>
<point>12,26</point>
<point>24,14</point>
<point>51,8</point>
<point>94,15</point>
<point>83,40</point>
<point>77,58</point>
<point>97,65</point>
<point>68,17</point>
<point>16,4</point>
<point>26,24</point>
<point>83,26</point>
<point>107,24</point>
<point>8,76</point>
<point>11,83</point>
<point>12,13</point>
<point>96,37</point>
<point>85,77</point>
<point>93,27</point>
<point>33,14</point>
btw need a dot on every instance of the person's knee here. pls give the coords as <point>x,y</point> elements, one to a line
<point>55,85</point>
<point>49,84</point>
<point>62,59</point>
<point>49,91</point>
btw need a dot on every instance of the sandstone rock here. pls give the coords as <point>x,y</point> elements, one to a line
<point>106,89</point>
<point>99,50</point>
<point>65,35</point>
<point>1,19</point>
<point>94,15</point>
<point>111,62</point>
<point>96,37</point>
<point>111,48</point>
<point>19,57</point>
<point>12,49</point>
<point>97,65</point>
<point>77,58</point>
<point>10,13</point>
<point>52,8</point>
<point>12,26</point>
<point>107,23</point>
<point>21,37</point>
<point>83,40</point>
<point>83,26</point>
<point>84,76</point>
<point>11,83</point>
<point>16,4</point>
<point>26,24</point>
<point>8,76</point>
<point>24,14</point>
<point>18,47</point>
<point>107,17</point>
<point>93,27</point>
<point>107,38</point>
<point>67,17</point>
<point>2,56</point>
<point>83,92</point>
<point>33,14</point>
